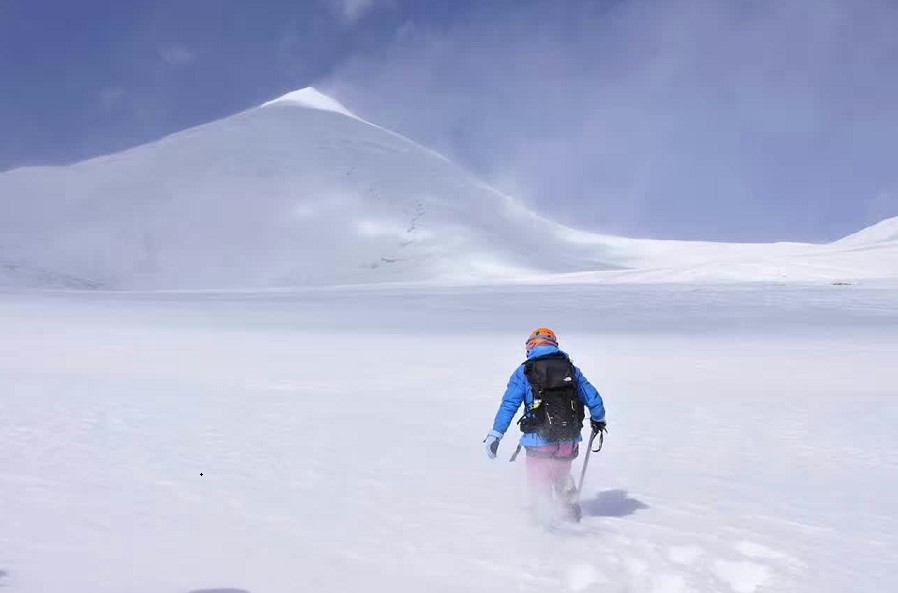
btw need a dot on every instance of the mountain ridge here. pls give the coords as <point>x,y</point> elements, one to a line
<point>300,191</point>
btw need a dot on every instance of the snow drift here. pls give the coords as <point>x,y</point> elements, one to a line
<point>300,191</point>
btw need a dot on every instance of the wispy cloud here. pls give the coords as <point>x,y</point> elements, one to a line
<point>883,205</point>
<point>352,10</point>
<point>175,54</point>
<point>686,118</point>
<point>111,97</point>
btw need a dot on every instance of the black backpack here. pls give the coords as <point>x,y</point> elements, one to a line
<point>557,412</point>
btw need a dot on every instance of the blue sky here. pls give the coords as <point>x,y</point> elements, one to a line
<point>736,120</point>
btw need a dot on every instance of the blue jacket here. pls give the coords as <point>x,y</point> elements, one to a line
<point>519,392</point>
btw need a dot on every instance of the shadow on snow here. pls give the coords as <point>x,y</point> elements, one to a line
<point>612,503</point>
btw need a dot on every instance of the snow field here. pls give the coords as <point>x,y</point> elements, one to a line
<point>339,437</point>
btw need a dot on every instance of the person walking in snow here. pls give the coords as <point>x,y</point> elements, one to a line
<point>554,393</point>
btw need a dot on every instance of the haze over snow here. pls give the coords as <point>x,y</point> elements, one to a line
<point>300,191</point>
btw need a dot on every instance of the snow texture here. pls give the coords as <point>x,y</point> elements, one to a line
<point>330,440</point>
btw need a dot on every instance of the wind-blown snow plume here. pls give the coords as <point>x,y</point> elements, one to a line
<point>762,120</point>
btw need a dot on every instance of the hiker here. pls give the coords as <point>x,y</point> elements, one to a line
<point>554,393</point>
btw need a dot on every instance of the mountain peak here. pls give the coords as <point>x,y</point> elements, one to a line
<point>311,98</point>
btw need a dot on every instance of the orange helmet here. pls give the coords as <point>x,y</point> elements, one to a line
<point>541,336</point>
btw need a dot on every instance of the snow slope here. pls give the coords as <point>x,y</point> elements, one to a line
<point>329,440</point>
<point>884,233</point>
<point>296,192</point>
<point>300,192</point>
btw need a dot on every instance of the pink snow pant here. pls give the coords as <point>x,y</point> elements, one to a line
<point>549,465</point>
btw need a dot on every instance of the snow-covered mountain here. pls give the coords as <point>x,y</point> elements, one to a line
<point>203,442</point>
<point>300,191</point>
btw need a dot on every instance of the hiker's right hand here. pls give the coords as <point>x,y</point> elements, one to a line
<point>598,426</point>
<point>492,443</point>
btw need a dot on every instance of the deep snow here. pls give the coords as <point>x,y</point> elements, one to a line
<point>751,448</point>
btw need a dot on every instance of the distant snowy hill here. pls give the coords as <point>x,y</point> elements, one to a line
<point>884,233</point>
<point>300,191</point>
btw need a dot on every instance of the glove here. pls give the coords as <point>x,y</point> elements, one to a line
<point>492,443</point>
<point>598,426</point>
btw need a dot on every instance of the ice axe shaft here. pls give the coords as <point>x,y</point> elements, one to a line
<point>589,451</point>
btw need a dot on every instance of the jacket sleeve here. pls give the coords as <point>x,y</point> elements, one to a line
<point>511,401</point>
<point>590,397</point>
